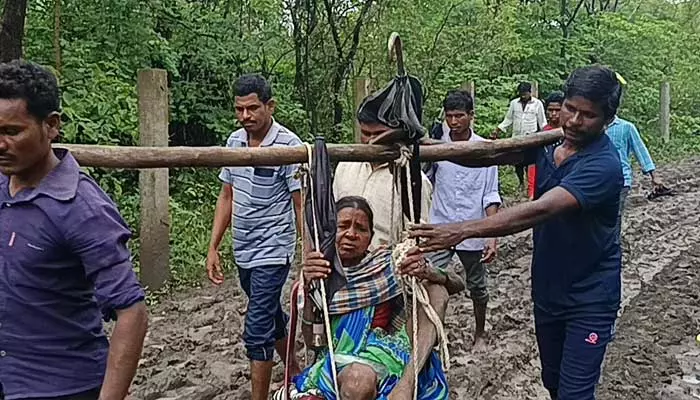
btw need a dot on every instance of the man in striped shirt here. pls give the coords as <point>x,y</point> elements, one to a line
<point>627,140</point>
<point>263,205</point>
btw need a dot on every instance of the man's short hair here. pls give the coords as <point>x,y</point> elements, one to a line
<point>554,97</point>
<point>253,83</point>
<point>524,87</point>
<point>597,84</point>
<point>458,100</point>
<point>36,85</point>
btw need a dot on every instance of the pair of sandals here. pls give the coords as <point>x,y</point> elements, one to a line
<point>660,191</point>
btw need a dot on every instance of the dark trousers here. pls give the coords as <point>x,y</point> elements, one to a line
<point>520,173</point>
<point>572,352</point>
<point>621,211</point>
<point>265,320</point>
<point>89,395</point>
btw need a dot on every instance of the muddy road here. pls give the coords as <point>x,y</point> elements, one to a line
<point>194,350</point>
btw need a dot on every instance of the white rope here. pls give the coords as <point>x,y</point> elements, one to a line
<point>326,317</point>
<point>419,293</point>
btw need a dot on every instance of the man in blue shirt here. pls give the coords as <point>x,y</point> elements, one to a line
<point>576,259</point>
<point>263,205</point>
<point>628,141</point>
<point>65,263</point>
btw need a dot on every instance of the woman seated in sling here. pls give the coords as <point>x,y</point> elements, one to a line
<point>368,319</point>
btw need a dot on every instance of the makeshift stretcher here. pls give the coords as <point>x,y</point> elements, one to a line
<point>400,108</point>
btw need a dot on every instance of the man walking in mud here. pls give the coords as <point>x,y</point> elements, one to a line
<point>463,194</point>
<point>371,181</point>
<point>66,266</point>
<point>628,141</point>
<point>525,115</point>
<point>262,213</point>
<point>576,259</point>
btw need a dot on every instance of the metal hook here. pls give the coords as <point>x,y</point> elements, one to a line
<point>396,51</point>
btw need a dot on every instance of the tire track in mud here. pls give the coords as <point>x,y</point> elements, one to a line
<point>194,349</point>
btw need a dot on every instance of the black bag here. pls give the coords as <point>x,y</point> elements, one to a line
<point>400,106</point>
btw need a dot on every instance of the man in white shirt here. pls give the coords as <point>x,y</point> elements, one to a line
<point>525,115</point>
<point>374,181</point>
<point>461,194</point>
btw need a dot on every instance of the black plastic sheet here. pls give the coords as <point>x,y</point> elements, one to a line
<point>400,106</point>
<point>320,206</point>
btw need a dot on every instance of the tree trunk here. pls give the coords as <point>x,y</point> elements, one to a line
<point>57,35</point>
<point>564,30</point>
<point>12,31</point>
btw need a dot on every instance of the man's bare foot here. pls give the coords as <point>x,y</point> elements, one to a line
<point>479,344</point>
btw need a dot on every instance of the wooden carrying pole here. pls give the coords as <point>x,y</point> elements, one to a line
<point>475,154</point>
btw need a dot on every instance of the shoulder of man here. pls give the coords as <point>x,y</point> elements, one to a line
<point>236,137</point>
<point>478,138</point>
<point>285,136</point>
<point>606,159</point>
<point>89,206</point>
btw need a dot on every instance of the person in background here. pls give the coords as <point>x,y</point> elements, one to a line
<point>628,141</point>
<point>525,115</point>
<point>462,194</point>
<point>262,214</point>
<point>374,181</point>
<point>576,260</point>
<point>65,262</point>
<point>552,105</point>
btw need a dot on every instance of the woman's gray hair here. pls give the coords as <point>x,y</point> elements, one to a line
<point>357,203</point>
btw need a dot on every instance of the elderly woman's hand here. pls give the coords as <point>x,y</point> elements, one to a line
<point>414,264</point>
<point>316,267</point>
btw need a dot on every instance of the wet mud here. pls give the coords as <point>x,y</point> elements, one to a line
<point>194,349</point>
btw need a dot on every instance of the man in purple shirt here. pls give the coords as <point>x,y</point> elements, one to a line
<point>65,264</point>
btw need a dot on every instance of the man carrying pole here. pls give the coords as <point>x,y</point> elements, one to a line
<point>262,213</point>
<point>576,259</point>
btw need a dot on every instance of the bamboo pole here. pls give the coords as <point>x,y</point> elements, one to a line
<point>475,154</point>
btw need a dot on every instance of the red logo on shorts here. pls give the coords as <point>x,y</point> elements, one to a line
<point>592,338</point>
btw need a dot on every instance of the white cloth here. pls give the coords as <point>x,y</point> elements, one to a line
<point>463,194</point>
<point>524,121</point>
<point>375,185</point>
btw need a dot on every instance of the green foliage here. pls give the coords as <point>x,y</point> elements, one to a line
<point>205,45</point>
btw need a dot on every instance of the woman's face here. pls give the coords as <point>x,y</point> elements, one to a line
<point>353,236</point>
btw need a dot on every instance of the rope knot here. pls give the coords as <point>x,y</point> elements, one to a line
<point>411,286</point>
<point>404,156</point>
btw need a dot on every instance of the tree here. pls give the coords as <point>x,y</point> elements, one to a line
<point>12,30</point>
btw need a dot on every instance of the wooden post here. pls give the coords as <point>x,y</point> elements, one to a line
<point>535,89</point>
<point>153,183</point>
<point>469,87</point>
<point>665,111</point>
<point>362,90</point>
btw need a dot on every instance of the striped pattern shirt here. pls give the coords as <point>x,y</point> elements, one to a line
<point>627,140</point>
<point>263,221</point>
